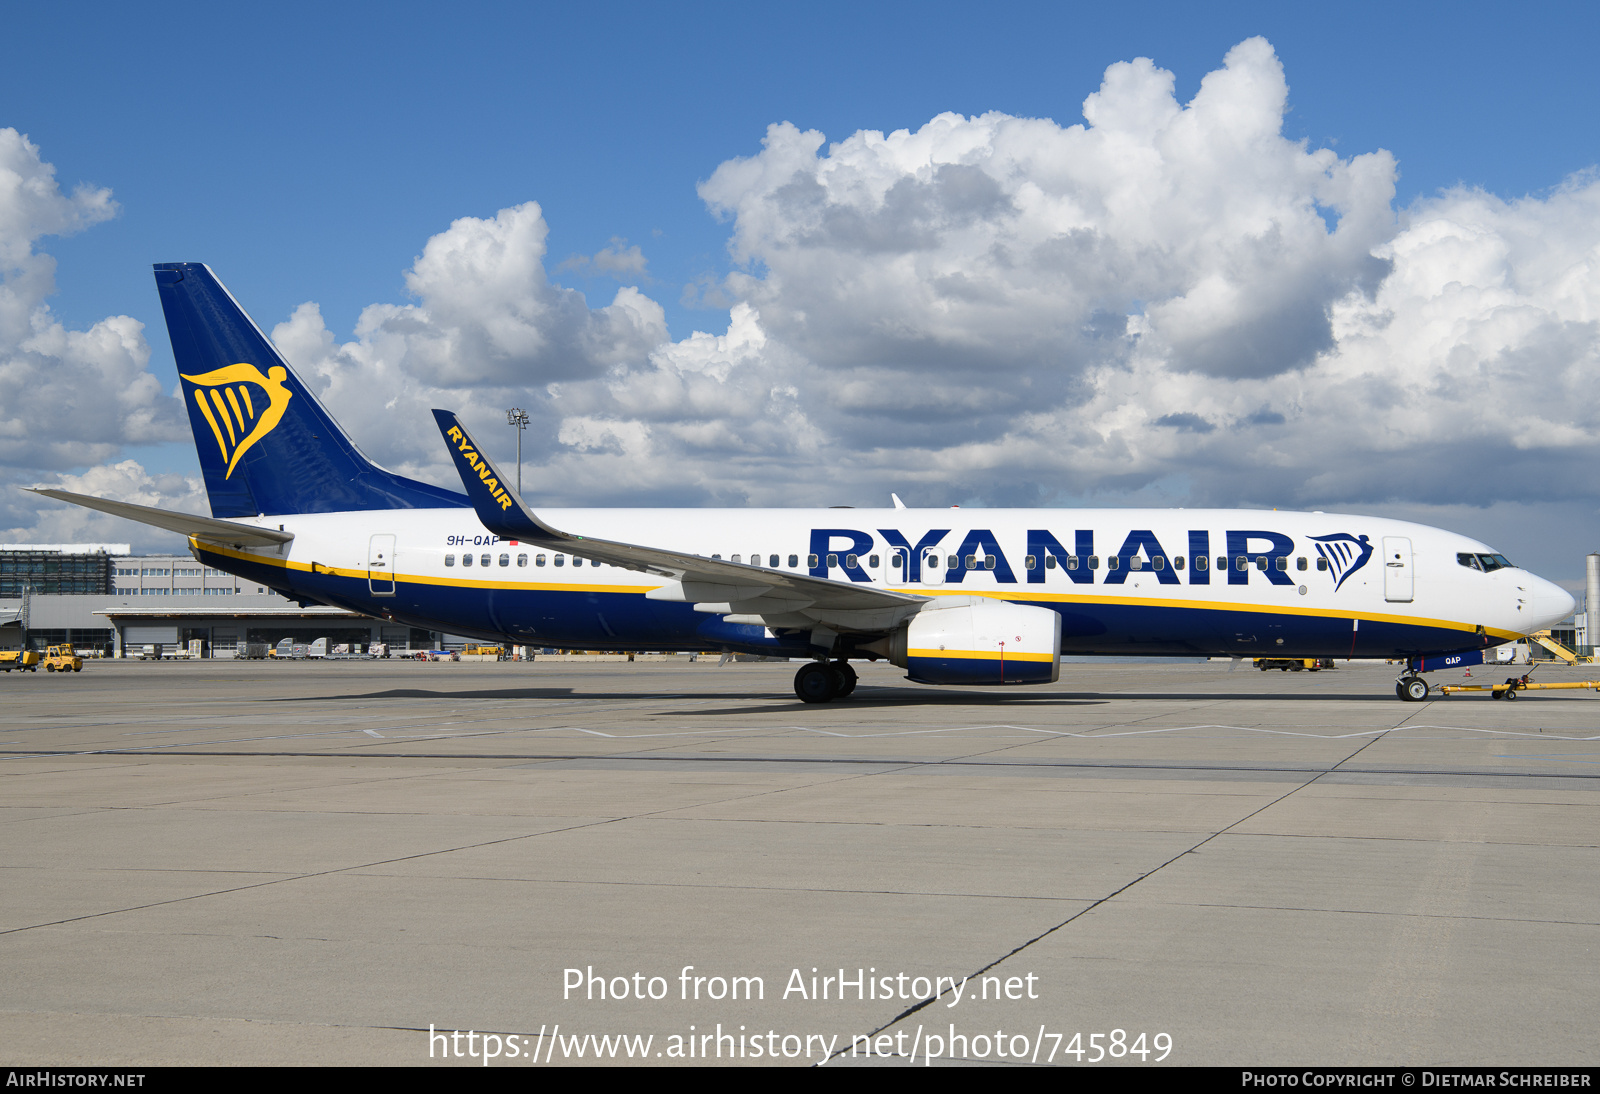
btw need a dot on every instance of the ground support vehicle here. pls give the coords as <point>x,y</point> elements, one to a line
<point>1514,684</point>
<point>1294,664</point>
<point>62,659</point>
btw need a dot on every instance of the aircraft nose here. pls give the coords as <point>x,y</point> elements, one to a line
<point>1548,603</point>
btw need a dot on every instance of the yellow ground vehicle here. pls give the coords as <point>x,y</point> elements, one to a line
<point>27,660</point>
<point>62,659</point>
<point>1293,664</point>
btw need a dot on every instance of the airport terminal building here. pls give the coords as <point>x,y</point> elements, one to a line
<point>102,599</point>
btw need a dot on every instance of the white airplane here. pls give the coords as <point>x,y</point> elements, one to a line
<point>954,596</point>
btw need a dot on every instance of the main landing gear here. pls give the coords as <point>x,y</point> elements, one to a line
<point>821,681</point>
<point>1411,688</point>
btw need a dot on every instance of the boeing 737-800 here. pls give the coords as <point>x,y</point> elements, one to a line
<point>954,596</point>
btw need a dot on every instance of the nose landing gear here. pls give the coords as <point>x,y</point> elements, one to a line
<point>822,681</point>
<point>1411,688</point>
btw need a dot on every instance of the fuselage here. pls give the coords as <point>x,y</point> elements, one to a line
<point>1124,581</point>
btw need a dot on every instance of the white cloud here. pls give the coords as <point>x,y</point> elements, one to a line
<point>488,315</point>
<point>33,519</point>
<point>67,398</point>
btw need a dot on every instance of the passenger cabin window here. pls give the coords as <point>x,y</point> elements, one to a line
<point>466,560</point>
<point>988,562</point>
<point>576,561</point>
<point>1050,562</point>
<point>484,561</point>
<point>794,561</point>
<point>1113,562</point>
<point>1177,563</point>
<point>1300,563</point>
<point>931,562</point>
<point>811,560</point>
<point>972,562</point>
<point>1030,562</point>
<point>449,560</point>
<point>1201,562</point>
<point>735,558</point>
<point>505,560</point>
<point>872,561</point>
<point>561,560</point>
<point>772,560</point>
<point>833,560</point>
<point>1094,562</point>
<point>538,560</point>
<point>1282,562</point>
<point>1322,563</point>
<point>850,562</point>
<point>522,560</point>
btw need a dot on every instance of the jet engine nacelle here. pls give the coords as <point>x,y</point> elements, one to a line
<point>977,640</point>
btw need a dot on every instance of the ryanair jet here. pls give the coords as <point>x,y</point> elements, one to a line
<point>953,596</point>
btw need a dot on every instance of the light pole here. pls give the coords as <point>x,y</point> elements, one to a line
<point>518,417</point>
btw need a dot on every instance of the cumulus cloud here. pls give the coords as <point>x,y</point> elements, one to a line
<point>999,242</point>
<point>487,314</point>
<point>32,519</point>
<point>67,398</point>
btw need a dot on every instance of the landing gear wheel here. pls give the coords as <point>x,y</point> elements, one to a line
<point>1413,689</point>
<point>816,682</point>
<point>846,677</point>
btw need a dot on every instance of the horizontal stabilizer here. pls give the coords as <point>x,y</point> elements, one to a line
<point>213,531</point>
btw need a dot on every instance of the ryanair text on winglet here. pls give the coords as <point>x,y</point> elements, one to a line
<point>480,466</point>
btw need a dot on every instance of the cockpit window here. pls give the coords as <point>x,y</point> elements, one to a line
<point>1495,562</point>
<point>1466,558</point>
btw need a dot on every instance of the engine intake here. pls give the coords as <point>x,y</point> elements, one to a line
<point>977,640</point>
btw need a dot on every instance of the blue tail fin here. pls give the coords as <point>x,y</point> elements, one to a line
<point>266,445</point>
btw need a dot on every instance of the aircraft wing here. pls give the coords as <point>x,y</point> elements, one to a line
<point>745,594</point>
<point>208,529</point>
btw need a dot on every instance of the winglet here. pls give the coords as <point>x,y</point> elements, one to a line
<point>496,503</point>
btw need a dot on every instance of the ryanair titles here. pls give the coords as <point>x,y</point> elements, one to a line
<point>470,457</point>
<point>937,557</point>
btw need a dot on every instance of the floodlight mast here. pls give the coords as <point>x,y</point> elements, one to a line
<point>518,418</point>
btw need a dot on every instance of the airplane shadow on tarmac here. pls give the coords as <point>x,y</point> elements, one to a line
<point>866,695</point>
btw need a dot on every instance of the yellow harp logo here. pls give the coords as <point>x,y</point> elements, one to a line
<point>229,407</point>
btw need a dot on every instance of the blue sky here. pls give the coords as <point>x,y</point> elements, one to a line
<point>310,152</point>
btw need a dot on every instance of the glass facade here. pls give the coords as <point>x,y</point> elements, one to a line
<point>51,572</point>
